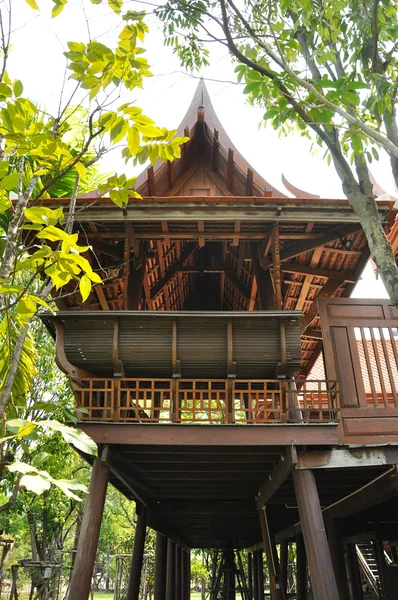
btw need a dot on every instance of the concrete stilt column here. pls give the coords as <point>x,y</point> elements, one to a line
<point>133,590</point>
<point>82,573</point>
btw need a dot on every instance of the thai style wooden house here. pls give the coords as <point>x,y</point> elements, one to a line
<point>193,364</point>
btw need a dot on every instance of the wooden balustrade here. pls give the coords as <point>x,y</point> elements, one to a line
<point>214,401</point>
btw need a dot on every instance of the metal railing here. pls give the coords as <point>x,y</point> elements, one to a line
<point>213,401</point>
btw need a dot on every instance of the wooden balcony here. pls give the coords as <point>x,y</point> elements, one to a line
<point>200,401</point>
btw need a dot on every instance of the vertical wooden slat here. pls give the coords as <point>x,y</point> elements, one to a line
<point>378,365</point>
<point>388,365</point>
<point>230,169</point>
<point>249,183</point>
<point>369,366</point>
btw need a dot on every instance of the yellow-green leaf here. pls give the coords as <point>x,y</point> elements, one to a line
<point>85,287</point>
<point>116,5</point>
<point>10,181</point>
<point>32,4</point>
<point>18,88</point>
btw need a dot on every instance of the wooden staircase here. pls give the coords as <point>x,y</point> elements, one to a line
<point>368,565</point>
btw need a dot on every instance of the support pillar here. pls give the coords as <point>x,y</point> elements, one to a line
<point>260,575</point>
<point>160,567</point>
<point>301,575</point>
<point>276,583</point>
<point>133,590</point>
<point>255,576</point>
<point>284,562</point>
<point>177,588</point>
<point>355,573</point>
<point>250,574</point>
<point>336,545</point>
<point>320,562</point>
<point>82,573</point>
<point>230,574</point>
<point>170,571</point>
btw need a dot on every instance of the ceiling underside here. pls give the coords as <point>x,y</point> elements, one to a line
<point>206,496</point>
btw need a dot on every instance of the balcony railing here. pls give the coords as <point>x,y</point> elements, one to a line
<point>210,401</point>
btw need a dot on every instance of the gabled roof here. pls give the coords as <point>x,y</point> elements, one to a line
<point>210,140</point>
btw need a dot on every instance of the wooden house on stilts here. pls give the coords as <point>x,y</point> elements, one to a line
<point>193,363</point>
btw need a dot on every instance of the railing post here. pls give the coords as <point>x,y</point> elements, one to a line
<point>174,400</point>
<point>115,395</point>
<point>283,393</point>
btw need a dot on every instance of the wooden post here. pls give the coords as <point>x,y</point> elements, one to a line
<point>276,584</point>
<point>170,572</point>
<point>301,575</point>
<point>317,549</point>
<point>250,574</point>
<point>80,583</point>
<point>284,562</point>
<point>355,574</point>
<point>255,576</point>
<point>160,567</point>
<point>133,590</point>
<point>230,574</point>
<point>336,545</point>
<point>260,575</point>
<point>177,570</point>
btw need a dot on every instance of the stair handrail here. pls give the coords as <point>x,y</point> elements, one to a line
<point>369,575</point>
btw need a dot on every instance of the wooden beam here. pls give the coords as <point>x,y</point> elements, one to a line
<point>253,294</point>
<point>332,234</point>
<point>281,473</point>
<point>216,147</point>
<point>80,583</point>
<point>276,266</point>
<point>133,287</point>
<point>249,182</point>
<point>133,590</point>
<point>201,231</point>
<point>342,458</point>
<point>355,574</point>
<point>112,250</point>
<point>230,274</point>
<point>165,235</point>
<point>321,568</point>
<point>263,280</point>
<point>230,169</point>
<point>151,181</point>
<point>171,271</point>
<point>278,592</point>
<point>235,239</point>
<point>316,272</point>
<point>336,546</point>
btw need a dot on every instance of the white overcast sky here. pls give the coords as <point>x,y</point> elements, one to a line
<point>37,59</point>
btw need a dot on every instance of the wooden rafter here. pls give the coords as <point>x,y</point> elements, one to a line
<point>316,257</point>
<point>216,147</point>
<point>249,182</point>
<point>169,274</point>
<point>329,289</point>
<point>302,269</point>
<point>230,274</point>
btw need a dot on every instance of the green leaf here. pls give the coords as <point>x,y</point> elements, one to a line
<point>10,181</point>
<point>39,459</point>
<point>116,5</point>
<point>5,90</point>
<point>32,4</point>
<point>85,287</point>
<point>18,88</point>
